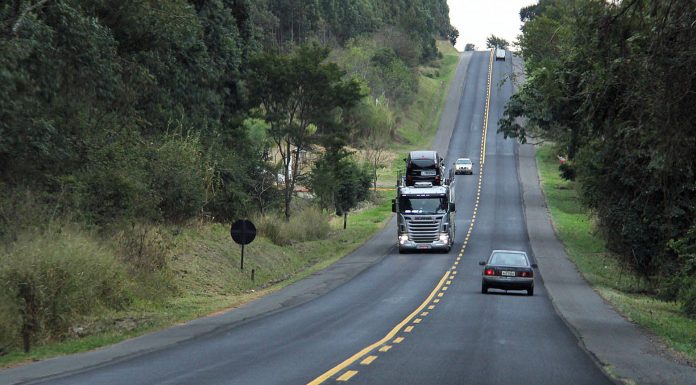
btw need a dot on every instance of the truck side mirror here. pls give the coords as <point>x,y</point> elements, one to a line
<point>452,207</point>
<point>393,205</point>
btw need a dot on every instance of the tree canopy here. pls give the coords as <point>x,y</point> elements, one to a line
<point>612,84</point>
<point>102,100</point>
<point>493,41</point>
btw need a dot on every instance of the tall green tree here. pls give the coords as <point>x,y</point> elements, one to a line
<point>493,41</point>
<point>297,93</point>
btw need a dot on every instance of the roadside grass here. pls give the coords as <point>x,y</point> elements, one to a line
<point>418,123</point>
<point>619,285</point>
<point>205,262</point>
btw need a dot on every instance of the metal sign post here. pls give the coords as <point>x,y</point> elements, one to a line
<point>243,232</point>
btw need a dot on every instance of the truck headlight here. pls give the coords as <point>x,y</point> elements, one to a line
<point>444,238</point>
<point>403,238</point>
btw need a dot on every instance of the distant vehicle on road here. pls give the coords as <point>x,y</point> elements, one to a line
<point>508,270</point>
<point>499,54</point>
<point>464,166</point>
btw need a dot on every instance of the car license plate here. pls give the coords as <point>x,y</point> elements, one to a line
<point>428,173</point>
<point>423,246</point>
<point>507,273</point>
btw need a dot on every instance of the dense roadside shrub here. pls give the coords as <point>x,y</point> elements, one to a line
<point>22,208</point>
<point>177,173</point>
<point>143,248</point>
<point>49,279</point>
<point>339,182</point>
<point>688,297</point>
<point>309,224</point>
<point>683,280</point>
<point>113,185</point>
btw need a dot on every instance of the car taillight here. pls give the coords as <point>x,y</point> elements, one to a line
<point>489,272</point>
<point>527,274</point>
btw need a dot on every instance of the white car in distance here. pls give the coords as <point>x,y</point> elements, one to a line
<point>464,166</point>
<point>499,54</point>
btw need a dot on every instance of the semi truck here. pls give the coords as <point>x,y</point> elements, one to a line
<point>425,215</point>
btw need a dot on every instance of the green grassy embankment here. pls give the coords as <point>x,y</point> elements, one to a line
<point>419,122</point>
<point>202,274</point>
<point>203,265</point>
<point>620,286</point>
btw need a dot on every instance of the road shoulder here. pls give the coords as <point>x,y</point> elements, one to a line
<point>624,349</point>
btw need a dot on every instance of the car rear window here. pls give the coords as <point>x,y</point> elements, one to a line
<point>463,161</point>
<point>423,163</point>
<point>509,259</point>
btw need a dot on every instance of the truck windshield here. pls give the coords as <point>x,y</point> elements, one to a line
<point>422,205</point>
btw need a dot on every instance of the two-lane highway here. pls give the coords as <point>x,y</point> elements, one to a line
<point>409,319</point>
<point>468,337</point>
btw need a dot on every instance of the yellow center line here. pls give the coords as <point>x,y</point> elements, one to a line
<point>350,373</point>
<point>347,375</point>
<point>417,321</point>
<point>333,371</point>
<point>425,313</point>
<point>368,360</point>
<point>398,340</point>
<point>431,307</point>
<point>385,348</point>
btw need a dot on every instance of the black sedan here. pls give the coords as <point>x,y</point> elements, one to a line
<point>508,270</point>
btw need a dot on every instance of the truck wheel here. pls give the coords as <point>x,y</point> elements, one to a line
<point>530,291</point>
<point>484,289</point>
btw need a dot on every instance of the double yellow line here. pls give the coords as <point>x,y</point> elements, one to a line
<point>448,274</point>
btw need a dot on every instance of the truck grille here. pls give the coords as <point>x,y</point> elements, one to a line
<point>423,229</point>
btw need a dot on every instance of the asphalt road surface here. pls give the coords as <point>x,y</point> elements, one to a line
<point>408,319</point>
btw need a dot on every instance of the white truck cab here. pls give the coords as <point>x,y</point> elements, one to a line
<point>425,216</point>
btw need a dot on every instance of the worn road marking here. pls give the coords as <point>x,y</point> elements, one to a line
<point>398,340</point>
<point>368,360</point>
<point>408,329</point>
<point>385,348</point>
